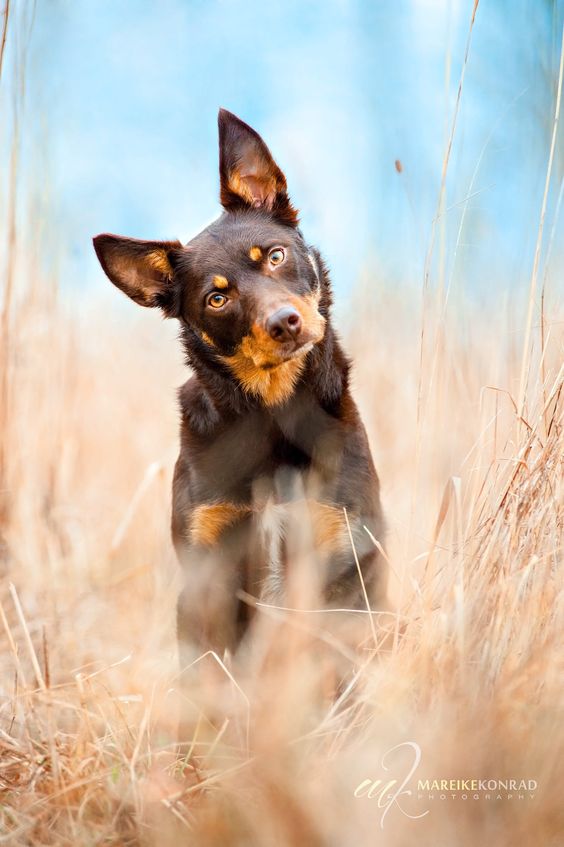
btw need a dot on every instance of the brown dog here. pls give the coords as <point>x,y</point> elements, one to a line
<point>273,450</point>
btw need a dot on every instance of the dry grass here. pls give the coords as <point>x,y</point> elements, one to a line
<point>87,717</point>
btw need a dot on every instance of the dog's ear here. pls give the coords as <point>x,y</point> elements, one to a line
<point>142,269</point>
<point>249,175</point>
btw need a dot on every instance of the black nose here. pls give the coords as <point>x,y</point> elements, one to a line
<point>284,325</point>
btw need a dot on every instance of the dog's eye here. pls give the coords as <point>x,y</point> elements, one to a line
<point>276,256</point>
<point>215,300</point>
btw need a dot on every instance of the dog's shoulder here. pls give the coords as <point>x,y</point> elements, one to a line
<point>199,414</point>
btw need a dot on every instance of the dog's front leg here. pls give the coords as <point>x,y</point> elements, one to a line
<point>214,569</point>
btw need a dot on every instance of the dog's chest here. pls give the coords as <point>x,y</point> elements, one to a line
<point>264,491</point>
<point>256,450</point>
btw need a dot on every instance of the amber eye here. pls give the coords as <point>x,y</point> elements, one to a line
<point>215,300</point>
<point>276,256</point>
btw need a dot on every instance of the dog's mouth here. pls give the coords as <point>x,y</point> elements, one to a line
<point>252,356</point>
<point>287,352</point>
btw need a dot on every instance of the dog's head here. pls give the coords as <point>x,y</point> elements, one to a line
<point>248,290</point>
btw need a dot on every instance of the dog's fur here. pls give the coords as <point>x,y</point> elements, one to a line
<point>273,450</point>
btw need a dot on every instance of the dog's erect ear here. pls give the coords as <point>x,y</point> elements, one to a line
<point>142,269</point>
<point>249,175</point>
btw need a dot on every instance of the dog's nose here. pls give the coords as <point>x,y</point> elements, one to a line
<point>285,324</point>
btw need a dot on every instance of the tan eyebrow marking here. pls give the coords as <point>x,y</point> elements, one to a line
<point>220,282</point>
<point>255,253</point>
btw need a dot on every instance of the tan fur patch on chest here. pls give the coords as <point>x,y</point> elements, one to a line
<point>330,533</point>
<point>320,526</point>
<point>273,385</point>
<point>208,521</point>
<point>313,525</point>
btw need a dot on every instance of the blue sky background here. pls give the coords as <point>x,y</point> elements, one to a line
<point>121,106</point>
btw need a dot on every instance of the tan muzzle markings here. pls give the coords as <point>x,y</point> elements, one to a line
<point>263,366</point>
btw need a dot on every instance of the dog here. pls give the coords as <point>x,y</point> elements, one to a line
<point>274,458</point>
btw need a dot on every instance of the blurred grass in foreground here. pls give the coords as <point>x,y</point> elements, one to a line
<point>88,655</point>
